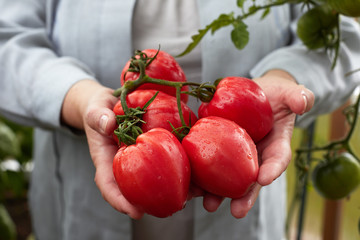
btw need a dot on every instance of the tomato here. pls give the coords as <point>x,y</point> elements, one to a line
<point>346,7</point>
<point>242,101</point>
<point>337,178</point>
<point>160,113</point>
<point>223,157</point>
<point>165,67</point>
<point>154,174</point>
<point>316,27</point>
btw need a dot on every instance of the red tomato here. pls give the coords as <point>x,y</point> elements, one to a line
<point>163,67</point>
<point>160,113</point>
<point>154,174</point>
<point>223,157</point>
<point>242,101</point>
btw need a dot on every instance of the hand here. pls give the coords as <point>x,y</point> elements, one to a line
<point>287,99</point>
<point>88,106</point>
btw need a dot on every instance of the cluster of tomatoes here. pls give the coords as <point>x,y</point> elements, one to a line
<point>217,153</point>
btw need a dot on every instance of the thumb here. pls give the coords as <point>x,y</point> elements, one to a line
<point>299,99</point>
<point>101,120</point>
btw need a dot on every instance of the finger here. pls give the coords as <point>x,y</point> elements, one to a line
<point>212,202</point>
<point>99,115</point>
<point>274,162</point>
<point>240,207</point>
<point>106,183</point>
<point>103,150</point>
<point>101,120</point>
<point>299,99</point>
<point>195,191</point>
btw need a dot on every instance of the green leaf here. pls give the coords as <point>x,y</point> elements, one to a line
<point>240,3</point>
<point>17,183</point>
<point>240,34</point>
<point>9,144</point>
<point>265,13</point>
<point>195,41</point>
<point>7,226</point>
<point>24,141</point>
<point>253,9</point>
<point>222,21</point>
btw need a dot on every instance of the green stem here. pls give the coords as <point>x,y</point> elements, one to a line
<point>352,72</point>
<point>356,115</point>
<point>143,78</point>
<point>343,143</point>
<point>337,43</point>
<point>123,101</point>
<point>178,100</point>
<point>257,8</point>
<point>203,91</point>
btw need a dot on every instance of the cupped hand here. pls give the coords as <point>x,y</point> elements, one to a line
<point>88,106</point>
<point>287,99</point>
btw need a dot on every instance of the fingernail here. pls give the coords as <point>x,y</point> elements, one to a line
<point>103,122</point>
<point>305,101</point>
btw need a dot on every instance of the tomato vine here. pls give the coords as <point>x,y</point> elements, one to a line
<point>328,36</point>
<point>336,175</point>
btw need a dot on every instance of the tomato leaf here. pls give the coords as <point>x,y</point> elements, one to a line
<point>240,34</point>
<point>7,226</point>
<point>9,144</point>
<point>265,13</point>
<point>253,9</point>
<point>240,3</point>
<point>222,21</point>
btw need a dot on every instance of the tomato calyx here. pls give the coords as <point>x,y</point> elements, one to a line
<point>204,92</point>
<point>134,66</point>
<point>130,124</point>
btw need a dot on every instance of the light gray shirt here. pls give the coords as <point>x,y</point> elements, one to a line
<point>94,40</point>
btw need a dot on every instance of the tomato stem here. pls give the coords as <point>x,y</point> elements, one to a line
<point>343,144</point>
<point>202,91</point>
<point>178,100</point>
<point>337,42</point>
<point>130,124</point>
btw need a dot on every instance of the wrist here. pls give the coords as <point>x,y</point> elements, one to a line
<point>280,73</point>
<point>76,101</point>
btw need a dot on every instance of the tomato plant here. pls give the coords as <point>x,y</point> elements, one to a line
<point>346,7</point>
<point>337,178</point>
<point>163,66</point>
<point>242,101</point>
<point>154,174</point>
<point>316,27</point>
<point>223,157</point>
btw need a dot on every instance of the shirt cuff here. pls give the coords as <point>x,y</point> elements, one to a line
<point>55,79</point>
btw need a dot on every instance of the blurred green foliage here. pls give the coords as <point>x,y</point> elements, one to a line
<point>15,148</point>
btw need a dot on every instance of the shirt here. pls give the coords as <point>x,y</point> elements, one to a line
<point>93,40</point>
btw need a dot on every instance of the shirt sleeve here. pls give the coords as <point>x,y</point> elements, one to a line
<point>332,87</point>
<point>33,78</point>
